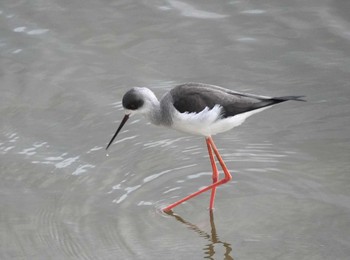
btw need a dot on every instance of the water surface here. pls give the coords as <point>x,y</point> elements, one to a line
<point>64,68</point>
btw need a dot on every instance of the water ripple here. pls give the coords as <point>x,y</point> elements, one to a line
<point>37,154</point>
<point>162,143</point>
<point>190,11</point>
<point>23,29</point>
<point>8,144</point>
<point>83,168</point>
<point>253,11</point>
<point>129,189</point>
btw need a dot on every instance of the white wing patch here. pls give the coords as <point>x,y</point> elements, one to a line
<point>196,123</point>
<point>209,122</point>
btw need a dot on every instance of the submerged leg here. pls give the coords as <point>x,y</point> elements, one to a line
<point>213,186</point>
<point>215,173</point>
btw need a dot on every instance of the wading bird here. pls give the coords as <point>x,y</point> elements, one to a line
<point>198,109</point>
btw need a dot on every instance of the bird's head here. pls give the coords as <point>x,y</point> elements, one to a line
<point>135,101</point>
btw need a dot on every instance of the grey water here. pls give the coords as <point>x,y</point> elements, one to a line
<point>64,68</point>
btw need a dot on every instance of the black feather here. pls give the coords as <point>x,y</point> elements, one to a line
<point>194,97</point>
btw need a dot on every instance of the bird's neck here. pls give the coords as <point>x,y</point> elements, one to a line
<point>151,109</point>
<point>154,114</point>
<point>157,112</point>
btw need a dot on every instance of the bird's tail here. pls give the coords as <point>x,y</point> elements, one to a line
<point>286,98</point>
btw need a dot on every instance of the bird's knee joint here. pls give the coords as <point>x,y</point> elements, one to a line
<point>228,178</point>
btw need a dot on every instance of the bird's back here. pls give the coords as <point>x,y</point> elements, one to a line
<point>194,97</point>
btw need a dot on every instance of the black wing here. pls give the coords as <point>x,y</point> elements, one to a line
<point>194,97</point>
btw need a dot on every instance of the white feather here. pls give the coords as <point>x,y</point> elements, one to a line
<point>209,122</point>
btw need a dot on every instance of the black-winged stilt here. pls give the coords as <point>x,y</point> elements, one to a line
<point>199,109</point>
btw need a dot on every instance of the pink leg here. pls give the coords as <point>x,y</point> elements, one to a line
<point>215,173</point>
<point>228,177</point>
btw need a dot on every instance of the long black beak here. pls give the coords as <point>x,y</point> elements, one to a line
<point>126,117</point>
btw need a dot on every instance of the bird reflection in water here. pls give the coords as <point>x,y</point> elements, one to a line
<point>213,238</point>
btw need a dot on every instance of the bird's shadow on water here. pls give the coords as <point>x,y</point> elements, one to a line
<point>213,238</point>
